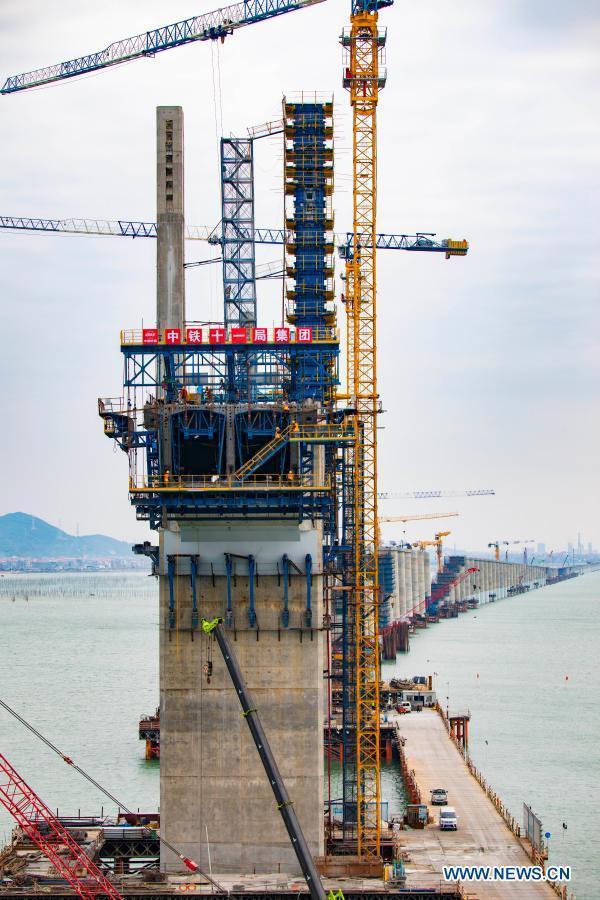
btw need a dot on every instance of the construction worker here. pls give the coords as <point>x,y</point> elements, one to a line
<point>290,475</point>
<point>166,477</point>
<point>277,433</point>
<point>295,427</point>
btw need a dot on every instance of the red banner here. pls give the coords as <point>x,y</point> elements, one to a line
<point>216,335</point>
<point>282,335</point>
<point>259,336</point>
<point>194,336</point>
<point>239,336</point>
<point>304,335</point>
<point>172,335</point>
<point>150,335</point>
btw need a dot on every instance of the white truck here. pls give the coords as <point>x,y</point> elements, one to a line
<point>448,820</point>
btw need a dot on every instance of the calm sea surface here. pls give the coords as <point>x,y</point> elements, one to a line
<point>79,659</point>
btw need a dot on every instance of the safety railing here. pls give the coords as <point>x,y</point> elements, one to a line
<point>192,337</point>
<point>111,405</point>
<point>321,433</point>
<point>408,774</point>
<point>509,819</point>
<point>168,483</point>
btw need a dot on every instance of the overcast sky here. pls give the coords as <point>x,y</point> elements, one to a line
<point>488,129</point>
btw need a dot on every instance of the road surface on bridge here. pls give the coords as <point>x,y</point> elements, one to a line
<point>482,838</point>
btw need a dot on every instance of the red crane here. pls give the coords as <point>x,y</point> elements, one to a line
<point>54,841</point>
<point>439,592</point>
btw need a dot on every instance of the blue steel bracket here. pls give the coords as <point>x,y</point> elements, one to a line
<point>308,613</point>
<point>229,571</point>
<point>149,550</point>
<point>285,615</point>
<point>251,611</point>
<point>193,577</point>
<point>171,573</point>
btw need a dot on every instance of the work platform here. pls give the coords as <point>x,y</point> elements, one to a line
<point>482,837</point>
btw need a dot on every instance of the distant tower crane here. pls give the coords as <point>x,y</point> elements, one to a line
<point>496,547</point>
<point>416,518</point>
<point>432,495</point>
<point>437,543</point>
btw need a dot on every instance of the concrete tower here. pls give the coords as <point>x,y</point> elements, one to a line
<point>212,782</point>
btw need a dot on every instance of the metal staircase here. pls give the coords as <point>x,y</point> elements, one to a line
<point>265,453</point>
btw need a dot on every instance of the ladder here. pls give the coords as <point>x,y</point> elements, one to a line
<point>265,453</point>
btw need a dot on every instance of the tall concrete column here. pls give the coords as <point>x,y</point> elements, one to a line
<point>421,572</point>
<point>401,557</point>
<point>414,573</point>
<point>395,598</point>
<point>427,575</point>
<point>211,777</point>
<point>170,231</point>
<point>408,580</point>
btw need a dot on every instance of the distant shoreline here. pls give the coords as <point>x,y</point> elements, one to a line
<point>27,566</point>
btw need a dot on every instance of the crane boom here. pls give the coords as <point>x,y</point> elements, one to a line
<point>212,25</point>
<point>56,843</point>
<point>429,495</point>
<point>447,515</point>
<point>136,229</point>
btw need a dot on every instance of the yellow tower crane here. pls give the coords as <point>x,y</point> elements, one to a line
<point>364,43</point>
<point>437,543</point>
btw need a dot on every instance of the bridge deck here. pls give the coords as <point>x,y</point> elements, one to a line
<point>482,838</point>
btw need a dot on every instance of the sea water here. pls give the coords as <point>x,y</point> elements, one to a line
<point>79,660</point>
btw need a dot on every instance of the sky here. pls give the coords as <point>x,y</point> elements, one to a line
<point>488,129</point>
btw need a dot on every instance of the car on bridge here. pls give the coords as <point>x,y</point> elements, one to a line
<point>448,820</point>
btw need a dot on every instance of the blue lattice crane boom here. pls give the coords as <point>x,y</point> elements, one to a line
<point>214,25</point>
<point>422,241</point>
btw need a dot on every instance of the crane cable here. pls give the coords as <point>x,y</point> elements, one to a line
<point>193,866</point>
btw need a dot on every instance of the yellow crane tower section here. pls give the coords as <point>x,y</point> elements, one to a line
<point>437,543</point>
<point>364,44</point>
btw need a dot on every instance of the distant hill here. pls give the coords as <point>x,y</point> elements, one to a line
<point>27,536</point>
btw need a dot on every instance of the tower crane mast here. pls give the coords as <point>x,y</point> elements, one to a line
<point>363,43</point>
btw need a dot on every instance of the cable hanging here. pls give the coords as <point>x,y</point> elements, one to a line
<point>193,866</point>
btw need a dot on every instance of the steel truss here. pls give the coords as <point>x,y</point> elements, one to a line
<point>237,211</point>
